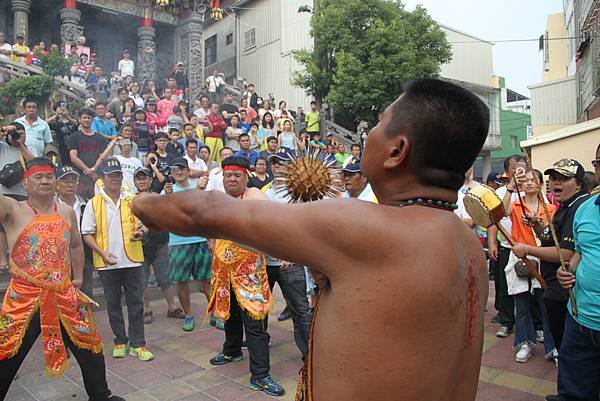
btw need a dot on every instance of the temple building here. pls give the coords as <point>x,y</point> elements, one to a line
<point>157,33</point>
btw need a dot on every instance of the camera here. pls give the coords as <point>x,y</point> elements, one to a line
<point>12,131</point>
<point>152,160</point>
<point>168,177</point>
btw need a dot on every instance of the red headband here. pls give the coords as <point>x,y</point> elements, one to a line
<point>235,168</point>
<point>38,169</point>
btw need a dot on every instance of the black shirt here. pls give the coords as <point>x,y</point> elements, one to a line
<point>88,147</point>
<point>62,132</point>
<point>255,182</point>
<point>231,109</point>
<point>563,224</point>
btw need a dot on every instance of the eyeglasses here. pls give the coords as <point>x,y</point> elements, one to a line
<point>595,162</point>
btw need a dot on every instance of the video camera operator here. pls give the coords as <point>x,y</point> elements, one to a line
<point>13,154</point>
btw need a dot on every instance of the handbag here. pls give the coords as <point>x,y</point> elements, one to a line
<point>522,271</point>
<point>12,173</point>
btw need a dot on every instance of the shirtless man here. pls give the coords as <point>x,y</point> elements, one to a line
<point>415,295</point>
<point>41,297</point>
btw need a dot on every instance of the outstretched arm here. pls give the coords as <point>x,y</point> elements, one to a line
<point>316,234</point>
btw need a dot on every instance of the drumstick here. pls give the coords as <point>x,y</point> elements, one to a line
<point>87,299</point>
<point>553,232</point>
<point>525,260</point>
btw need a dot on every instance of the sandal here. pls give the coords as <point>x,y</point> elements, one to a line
<point>148,317</point>
<point>176,314</point>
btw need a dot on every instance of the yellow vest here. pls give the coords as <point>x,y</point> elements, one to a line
<point>129,224</point>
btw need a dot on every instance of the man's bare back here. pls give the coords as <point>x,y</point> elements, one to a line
<point>407,324</point>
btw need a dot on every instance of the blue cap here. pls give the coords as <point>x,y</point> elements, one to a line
<point>111,165</point>
<point>281,155</point>
<point>353,166</point>
<point>62,171</point>
<point>495,177</point>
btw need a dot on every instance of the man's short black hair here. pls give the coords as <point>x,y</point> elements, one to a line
<point>516,158</point>
<point>313,102</point>
<point>205,147</point>
<point>354,145</point>
<point>186,124</point>
<point>38,161</point>
<point>173,129</point>
<point>236,161</point>
<point>190,141</point>
<point>243,134</point>
<point>447,126</point>
<point>86,112</point>
<point>31,100</point>
<point>259,158</point>
<point>271,138</point>
<point>100,104</point>
<point>122,90</point>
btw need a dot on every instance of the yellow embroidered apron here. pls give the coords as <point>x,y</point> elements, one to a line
<point>245,272</point>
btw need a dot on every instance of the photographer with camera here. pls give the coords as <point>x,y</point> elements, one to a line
<point>13,154</point>
<point>63,126</point>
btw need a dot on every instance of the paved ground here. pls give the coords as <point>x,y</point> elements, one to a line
<point>181,370</point>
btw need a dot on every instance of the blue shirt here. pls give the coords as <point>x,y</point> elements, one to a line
<point>175,239</point>
<point>245,127</point>
<point>251,156</point>
<point>586,234</point>
<point>37,135</point>
<point>105,128</point>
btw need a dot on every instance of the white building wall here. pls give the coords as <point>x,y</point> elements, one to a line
<point>280,31</point>
<point>554,102</point>
<point>471,61</point>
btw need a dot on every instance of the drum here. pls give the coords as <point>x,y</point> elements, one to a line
<point>484,206</point>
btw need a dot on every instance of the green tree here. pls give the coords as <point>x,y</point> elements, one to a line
<point>365,50</point>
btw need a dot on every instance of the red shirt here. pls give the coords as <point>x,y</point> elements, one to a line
<point>218,125</point>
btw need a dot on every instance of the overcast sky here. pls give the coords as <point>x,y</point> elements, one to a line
<point>519,62</point>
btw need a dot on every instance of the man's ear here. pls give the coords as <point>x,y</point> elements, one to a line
<point>397,153</point>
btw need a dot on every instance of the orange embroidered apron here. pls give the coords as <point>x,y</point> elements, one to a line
<point>245,272</point>
<point>41,280</point>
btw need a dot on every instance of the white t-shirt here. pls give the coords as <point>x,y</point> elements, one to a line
<point>115,233</point>
<point>128,166</point>
<point>461,211</point>
<point>506,222</point>
<point>5,46</point>
<point>213,83</point>
<point>215,180</point>
<point>197,164</point>
<point>127,67</point>
<point>366,195</point>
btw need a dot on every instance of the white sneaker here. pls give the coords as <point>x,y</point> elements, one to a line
<point>524,353</point>
<point>539,336</point>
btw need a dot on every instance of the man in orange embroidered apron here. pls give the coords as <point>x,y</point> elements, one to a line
<point>241,295</point>
<point>41,298</point>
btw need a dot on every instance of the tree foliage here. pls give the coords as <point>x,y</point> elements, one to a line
<point>55,65</point>
<point>365,50</point>
<point>38,87</point>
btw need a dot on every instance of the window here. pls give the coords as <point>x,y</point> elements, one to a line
<point>229,39</point>
<point>210,50</point>
<point>514,142</point>
<point>250,39</point>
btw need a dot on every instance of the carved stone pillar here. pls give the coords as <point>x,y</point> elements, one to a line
<point>21,9</point>
<point>70,30</point>
<point>191,51</point>
<point>146,53</point>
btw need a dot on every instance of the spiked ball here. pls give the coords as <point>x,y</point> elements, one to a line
<point>308,177</point>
